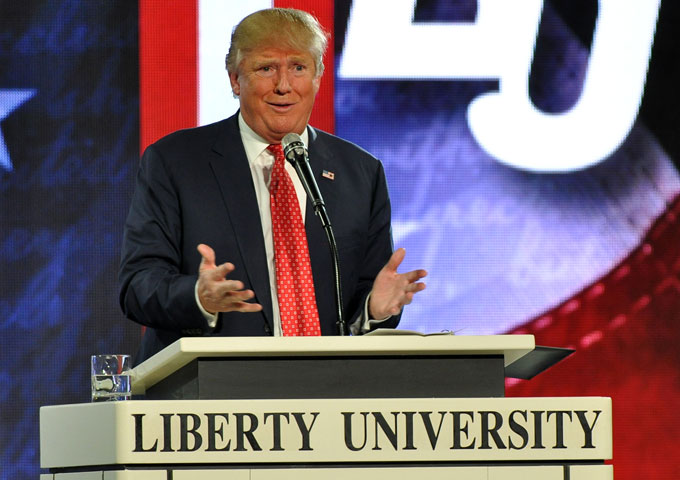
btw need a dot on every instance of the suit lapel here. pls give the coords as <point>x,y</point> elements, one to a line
<point>230,166</point>
<point>321,158</point>
<point>316,237</point>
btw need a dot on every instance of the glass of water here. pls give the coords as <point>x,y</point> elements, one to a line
<point>110,378</point>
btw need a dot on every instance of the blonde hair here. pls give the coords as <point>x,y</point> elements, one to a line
<point>286,27</point>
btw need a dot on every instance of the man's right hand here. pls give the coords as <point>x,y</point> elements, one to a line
<point>217,293</point>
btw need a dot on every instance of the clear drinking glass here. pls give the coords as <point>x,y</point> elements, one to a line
<point>111,378</point>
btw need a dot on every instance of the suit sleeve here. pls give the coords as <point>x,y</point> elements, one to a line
<point>378,251</point>
<point>153,289</point>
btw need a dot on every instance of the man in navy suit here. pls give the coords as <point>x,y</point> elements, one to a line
<point>198,256</point>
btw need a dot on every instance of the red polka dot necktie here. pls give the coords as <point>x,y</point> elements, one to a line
<point>294,282</point>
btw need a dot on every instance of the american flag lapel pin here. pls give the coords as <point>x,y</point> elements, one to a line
<point>328,175</point>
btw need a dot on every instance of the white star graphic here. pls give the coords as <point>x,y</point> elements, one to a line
<point>10,100</point>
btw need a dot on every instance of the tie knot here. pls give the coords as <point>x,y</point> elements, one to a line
<point>277,151</point>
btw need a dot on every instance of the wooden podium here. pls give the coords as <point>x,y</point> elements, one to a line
<point>394,406</point>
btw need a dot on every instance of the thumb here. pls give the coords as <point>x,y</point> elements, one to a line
<point>207,257</point>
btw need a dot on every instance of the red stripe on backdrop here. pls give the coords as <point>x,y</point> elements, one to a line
<point>168,67</point>
<point>626,344</point>
<point>323,115</point>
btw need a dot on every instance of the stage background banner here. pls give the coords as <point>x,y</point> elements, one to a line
<point>531,151</point>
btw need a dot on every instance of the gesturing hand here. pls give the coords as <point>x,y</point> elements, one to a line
<point>392,290</point>
<point>217,293</point>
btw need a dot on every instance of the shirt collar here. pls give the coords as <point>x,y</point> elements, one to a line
<point>254,144</point>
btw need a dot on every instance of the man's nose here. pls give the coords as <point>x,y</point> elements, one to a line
<point>282,83</point>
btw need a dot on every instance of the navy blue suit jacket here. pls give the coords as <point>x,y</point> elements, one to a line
<point>195,186</point>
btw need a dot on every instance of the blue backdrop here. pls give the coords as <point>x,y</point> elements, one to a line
<point>69,120</point>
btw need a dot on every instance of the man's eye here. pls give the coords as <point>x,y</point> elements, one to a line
<point>265,71</point>
<point>299,69</point>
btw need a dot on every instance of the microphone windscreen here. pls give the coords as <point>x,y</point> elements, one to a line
<point>291,138</point>
<point>293,146</point>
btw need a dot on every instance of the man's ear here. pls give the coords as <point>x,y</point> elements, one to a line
<point>317,84</point>
<point>235,85</point>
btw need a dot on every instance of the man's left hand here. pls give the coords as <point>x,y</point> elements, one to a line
<point>392,290</point>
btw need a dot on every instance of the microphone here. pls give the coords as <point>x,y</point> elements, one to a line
<point>295,151</point>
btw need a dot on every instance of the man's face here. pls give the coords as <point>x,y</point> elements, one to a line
<point>276,88</point>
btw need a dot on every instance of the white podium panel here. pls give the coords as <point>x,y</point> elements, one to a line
<point>561,438</point>
<point>142,475</point>
<point>326,431</point>
<point>573,472</point>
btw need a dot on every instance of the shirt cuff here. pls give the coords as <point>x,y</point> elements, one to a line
<point>365,323</point>
<point>211,318</point>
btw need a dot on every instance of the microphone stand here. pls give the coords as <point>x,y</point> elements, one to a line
<point>301,163</point>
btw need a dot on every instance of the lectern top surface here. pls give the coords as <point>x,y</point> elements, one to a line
<point>183,351</point>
